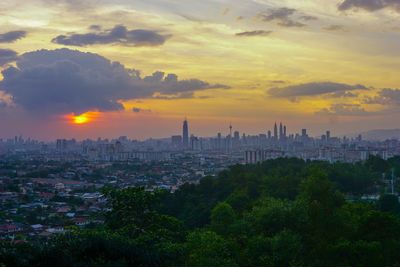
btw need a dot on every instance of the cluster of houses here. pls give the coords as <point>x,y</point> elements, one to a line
<point>39,199</point>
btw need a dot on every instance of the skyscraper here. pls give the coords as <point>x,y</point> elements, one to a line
<point>176,141</point>
<point>275,132</point>
<point>236,136</point>
<point>185,134</point>
<point>280,131</point>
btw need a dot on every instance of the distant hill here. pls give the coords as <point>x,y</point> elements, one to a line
<point>381,134</point>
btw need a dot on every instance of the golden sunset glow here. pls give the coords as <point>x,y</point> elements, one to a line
<point>83,118</point>
<point>311,53</point>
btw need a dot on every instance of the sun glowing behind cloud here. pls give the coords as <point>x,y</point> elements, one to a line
<point>81,119</point>
<point>84,118</point>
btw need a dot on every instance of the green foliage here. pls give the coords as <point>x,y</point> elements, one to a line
<point>284,212</point>
<point>377,164</point>
<point>222,218</point>
<point>134,213</point>
<point>207,249</point>
<point>131,207</point>
<point>239,200</point>
<point>389,203</point>
<point>271,216</point>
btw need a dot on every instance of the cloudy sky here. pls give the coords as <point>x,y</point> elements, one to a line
<point>138,68</point>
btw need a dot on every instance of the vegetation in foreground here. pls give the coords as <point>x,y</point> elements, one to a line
<point>283,212</point>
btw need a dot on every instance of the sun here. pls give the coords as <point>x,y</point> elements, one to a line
<point>84,118</point>
<point>81,119</point>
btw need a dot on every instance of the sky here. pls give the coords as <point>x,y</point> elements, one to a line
<point>106,68</point>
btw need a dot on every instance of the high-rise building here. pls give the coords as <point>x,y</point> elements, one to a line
<point>176,140</point>
<point>61,144</point>
<point>328,135</point>
<point>236,139</point>
<point>280,131</point>
<point>275,132</point>
<point>195,143</point>
<point>185,134</point>
<point>236,135</point>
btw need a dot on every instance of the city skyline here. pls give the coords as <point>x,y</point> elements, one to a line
<point>136,68</point>
<point>230,132</point>
<point>275,132</point>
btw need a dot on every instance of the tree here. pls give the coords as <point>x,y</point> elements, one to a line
<point>270,216</point>
<point>325,225</point>
<point>207,249</point>
<point>222,218</point>
<point>239,200</point>
<point>377,164</point>
<point>287,249</point>
<point>389,203</point>
<point>134,211</point>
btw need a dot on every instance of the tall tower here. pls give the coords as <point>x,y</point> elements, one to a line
<point>280,131</point>
<point>185,134</point>
<point>230,137</point>
<point>275,132</point>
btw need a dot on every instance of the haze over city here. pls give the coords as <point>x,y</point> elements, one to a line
<point>86,69</point>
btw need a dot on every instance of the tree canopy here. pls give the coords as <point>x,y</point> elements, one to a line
<point>284,212</point>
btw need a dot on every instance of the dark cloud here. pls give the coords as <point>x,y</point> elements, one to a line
<point>344,110</point>
<point>308,18</point>
<point>117,35</point>
<point>344,94</point>
<point>63,81</point>
<point>139,110</point>
<point>315,89</point>
<point>253,33</point>
<point>12,36</point>
<point>291,23</point>
<point>386,96</point>
<point>182,95</point>
<point>282,16</point>
<point>7,56</point>
<point>369,5</point>
<point>283,13</point>
<point>95,27</point>
<point>73,5</point>
<point>334,28</point>
<point>190,18</point>
<point>278,81</point>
